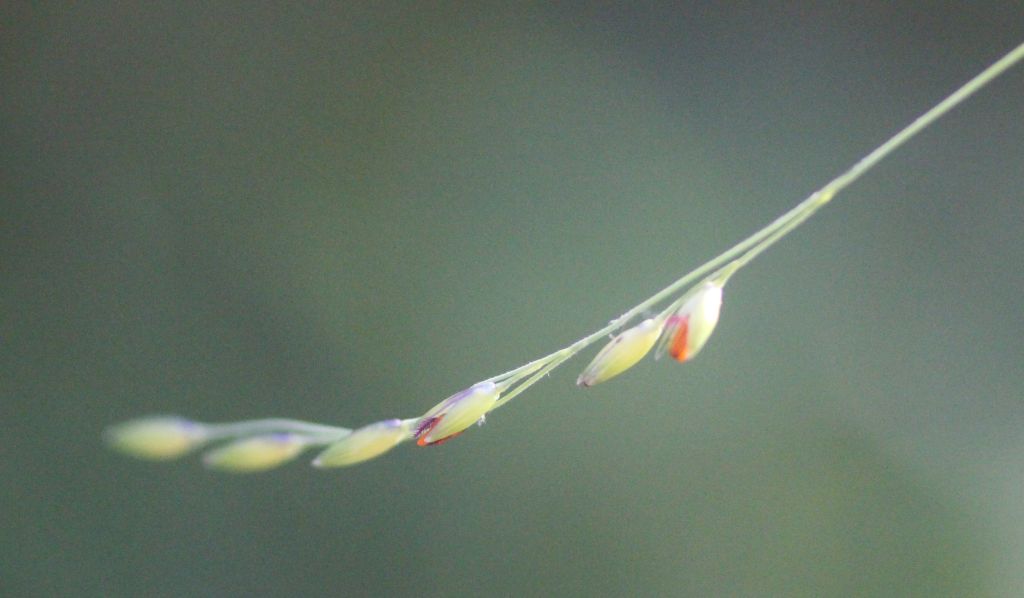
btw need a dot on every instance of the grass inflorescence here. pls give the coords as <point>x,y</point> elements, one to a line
<point>685,315</point>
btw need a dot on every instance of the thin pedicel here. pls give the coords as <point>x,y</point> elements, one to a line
<point>680,328</point>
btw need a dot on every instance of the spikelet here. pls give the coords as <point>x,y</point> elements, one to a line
<point>160,438</point>
<point>687,330</point>
<point>621,353</point>
<point>256,453</point>
<point>456,413</point>
<point>363,444</point>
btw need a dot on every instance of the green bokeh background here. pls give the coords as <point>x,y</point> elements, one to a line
<point>345,213</point>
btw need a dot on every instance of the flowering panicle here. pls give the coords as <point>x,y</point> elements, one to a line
<point>689,313</point>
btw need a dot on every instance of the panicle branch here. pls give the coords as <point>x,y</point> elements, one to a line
<point>689,313</point>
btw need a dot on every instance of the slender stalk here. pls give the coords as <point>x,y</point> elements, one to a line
<point>730,261</point>
<point>314,433</point>
<point>168,437</point>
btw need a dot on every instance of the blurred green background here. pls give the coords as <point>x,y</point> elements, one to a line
<point>344,213</point>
